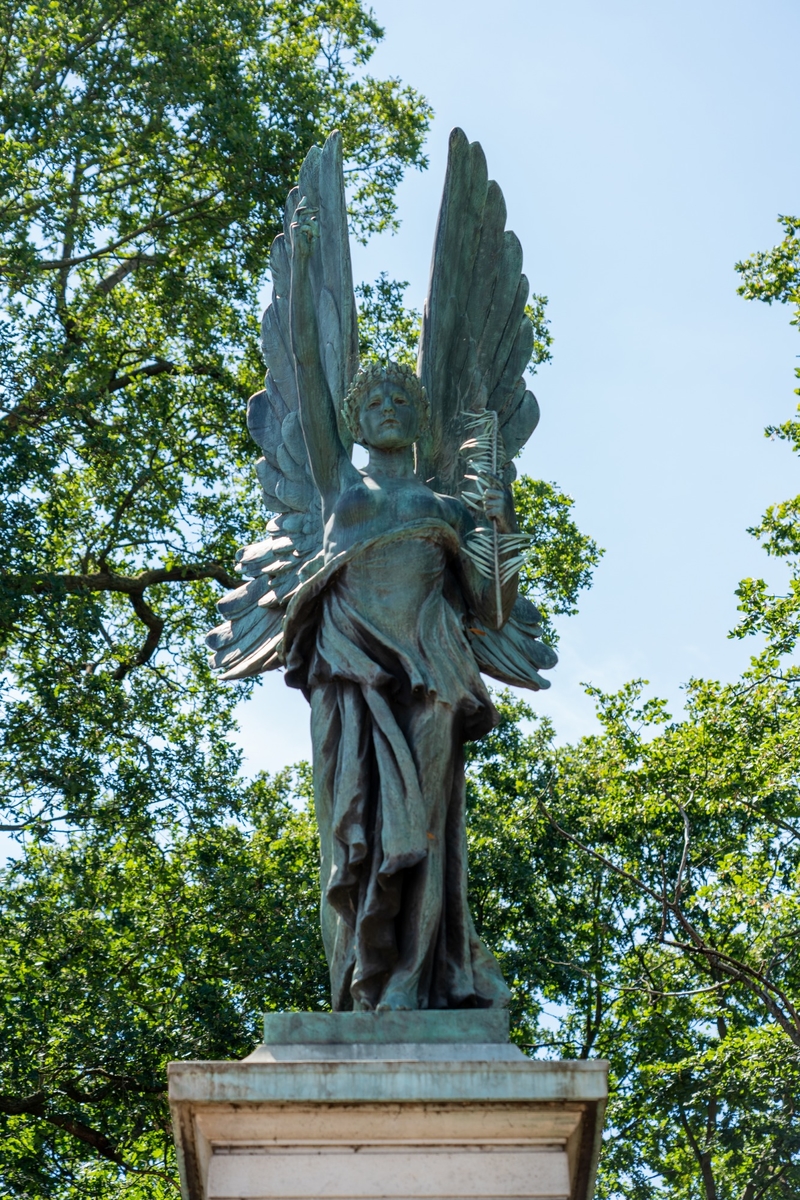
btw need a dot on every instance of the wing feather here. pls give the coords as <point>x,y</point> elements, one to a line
<point>488,257</point>
<point>476,340</point>
<point>508,307</point>
<point>250,639</point>
<point>511,375</point>
<point>520,422</point>
<point>241,599</point>
<point>265,414</point>
<point>515,654</point>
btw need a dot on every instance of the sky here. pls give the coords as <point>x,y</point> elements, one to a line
<point>642,149</point>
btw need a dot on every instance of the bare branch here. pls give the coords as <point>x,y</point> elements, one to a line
<point>751,978</point>
<point>687,831</point>
<point>17,1106</point>
<point>35,1105</point>
<point>31,823</point>
<point>162,366</point>
<point>703,1157</point>
<point>612,866</point>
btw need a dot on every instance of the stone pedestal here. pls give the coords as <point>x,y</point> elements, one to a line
<point>356,1106</point>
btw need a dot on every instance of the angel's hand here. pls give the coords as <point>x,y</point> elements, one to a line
<point>497,502</point>
<point>305,230</point>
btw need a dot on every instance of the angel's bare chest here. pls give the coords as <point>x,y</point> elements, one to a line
<point>374,507</point>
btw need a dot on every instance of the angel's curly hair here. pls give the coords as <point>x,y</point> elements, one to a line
<point>371,373</point>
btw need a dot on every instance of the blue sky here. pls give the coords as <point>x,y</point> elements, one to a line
<point>642,149</point>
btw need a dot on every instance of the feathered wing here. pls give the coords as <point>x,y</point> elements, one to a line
<point>250,639</point>
<point>476,343</point>
<point>476,340</point>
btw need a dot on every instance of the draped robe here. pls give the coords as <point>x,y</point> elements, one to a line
<point>375,639</point>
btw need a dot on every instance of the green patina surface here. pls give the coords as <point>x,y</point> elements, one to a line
<point>386,591</point>
<point>445,1025</point>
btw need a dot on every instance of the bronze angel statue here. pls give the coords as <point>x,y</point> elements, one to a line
<point>386,592</point>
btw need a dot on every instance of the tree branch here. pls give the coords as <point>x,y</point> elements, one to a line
<point>687,832</point>
<point>31,823</point>
<point>35,1105</point>
<point>64,263</point>
<point>740,972</point>
<point>612,866</point>
<point>109,581</point>
<point>155,627</point>
<point>126,267</point>
<point>163,366</point>
<point>131,586</point>
<point>703,1157</point>
<point>84,1133</point>
<point>160,367</point>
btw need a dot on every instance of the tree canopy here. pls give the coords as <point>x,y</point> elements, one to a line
<point>157,903</point>
<point>146,152</point>
<point>640,887</point>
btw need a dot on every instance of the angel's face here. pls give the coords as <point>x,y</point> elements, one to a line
<point>388,418</point>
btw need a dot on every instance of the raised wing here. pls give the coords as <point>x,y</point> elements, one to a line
<point>476,340</point>
<point>476,343</point>
<point>250,639</point>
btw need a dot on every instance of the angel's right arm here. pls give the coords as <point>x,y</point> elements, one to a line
<point>327,456</point>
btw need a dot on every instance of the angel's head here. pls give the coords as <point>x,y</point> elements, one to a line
<point>386,406</point>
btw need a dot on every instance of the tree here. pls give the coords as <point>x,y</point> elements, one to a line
<point>159,901</point>
<point>119,952</point>
<point>147,149</point>
<point>146,152</point>
<point>686,838</point>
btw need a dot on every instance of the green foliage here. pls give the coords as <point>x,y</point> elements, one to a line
<point>690,835</point>
<point>146,153</point>
<point>158,902</point>
<point>535,311</point>
<point>120,951</point>
<point>775,274</point>
<point>561,559</point>
<point>386,328</point>
<point>643,891</point>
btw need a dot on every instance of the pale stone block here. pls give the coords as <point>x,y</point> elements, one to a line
<point>364,1171</point>
<point>388,1121</point>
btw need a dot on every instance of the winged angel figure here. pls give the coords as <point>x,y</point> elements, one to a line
<point>385,592</point>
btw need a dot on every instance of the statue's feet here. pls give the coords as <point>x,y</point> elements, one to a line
<point>398,999</point>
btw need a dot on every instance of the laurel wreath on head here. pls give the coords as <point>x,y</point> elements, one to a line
<point>371,373</point>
